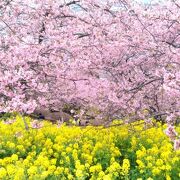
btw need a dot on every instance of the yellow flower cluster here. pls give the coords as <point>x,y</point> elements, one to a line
<point>95,153</point>
<point>155,154</point>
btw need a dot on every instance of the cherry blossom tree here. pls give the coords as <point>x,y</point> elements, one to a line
<point>119,57</point>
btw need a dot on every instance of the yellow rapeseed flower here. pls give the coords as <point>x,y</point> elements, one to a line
<point>32,170</point>
<point>3,172</point>
<point>95,168</point>
<point>44,174</point>
<point>159,162</point>
<point>107,177</point>
<point>140,164</point>
<point>59,170</point>
<point>14,157</point>
<point>125,166</point>
<point>51,169</point>
<point>156,171</point>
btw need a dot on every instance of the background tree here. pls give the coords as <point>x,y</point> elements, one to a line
<point>116,56</point>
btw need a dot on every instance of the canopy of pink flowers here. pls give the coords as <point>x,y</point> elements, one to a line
<point>119,60</point>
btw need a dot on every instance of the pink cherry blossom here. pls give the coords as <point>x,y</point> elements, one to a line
<point>10,121</point>
<point>35,124</point>
<point>118,61</point>
<point>177,144</point>
<point>170,132</point>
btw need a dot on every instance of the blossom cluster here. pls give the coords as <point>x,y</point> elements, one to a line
<point>117,61</point>
<point>50,151</point>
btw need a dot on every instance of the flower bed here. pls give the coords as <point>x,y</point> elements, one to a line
<point>50,151</point>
